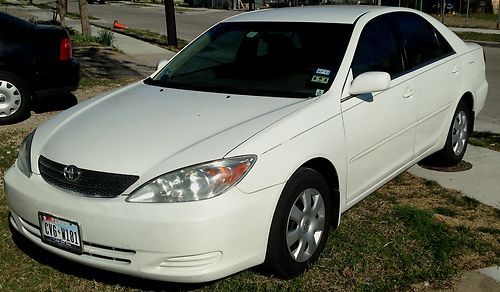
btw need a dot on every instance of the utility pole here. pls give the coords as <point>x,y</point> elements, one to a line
<point>84,17</point>
<point>467,13</point>
<point>170,19</point>
<point>498,15</point>
<point>442,11</point>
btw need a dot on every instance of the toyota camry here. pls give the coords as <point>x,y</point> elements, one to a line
<point>248,145</point>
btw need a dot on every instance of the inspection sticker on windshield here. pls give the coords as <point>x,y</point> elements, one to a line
<point>319,92</point>
<point>320,79</point>
<point>252,34</point>
<point>323,71</point>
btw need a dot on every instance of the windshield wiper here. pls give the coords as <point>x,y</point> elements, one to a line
<point>155,82</point>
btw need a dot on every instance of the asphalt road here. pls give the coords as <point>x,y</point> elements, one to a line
<point>189,23</point>
<point>489,118</point>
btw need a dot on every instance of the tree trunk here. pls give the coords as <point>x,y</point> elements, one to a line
<point>84,17</point>
<point>61,9</point>
<point>170,19</point>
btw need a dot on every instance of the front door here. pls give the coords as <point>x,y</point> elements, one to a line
<point>380,127</point>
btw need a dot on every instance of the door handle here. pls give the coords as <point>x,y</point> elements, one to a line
<point>409,92</point>
<point>455,70</point>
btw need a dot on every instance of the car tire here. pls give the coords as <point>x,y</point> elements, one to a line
<point>456,140</point>
<point>300,225</point>
<point>14,98</point>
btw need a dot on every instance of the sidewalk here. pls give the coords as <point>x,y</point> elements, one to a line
<point>481,182</point>
<point>478,30</point>
<point>142,52</point>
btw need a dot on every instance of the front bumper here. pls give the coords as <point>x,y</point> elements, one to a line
<point>179,242</point>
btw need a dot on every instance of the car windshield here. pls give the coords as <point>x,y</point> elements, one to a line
<point>260,58</point>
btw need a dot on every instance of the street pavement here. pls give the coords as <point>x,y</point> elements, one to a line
<point>489,118</point>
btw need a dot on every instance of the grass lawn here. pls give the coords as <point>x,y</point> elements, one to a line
<point>476,36</point>
<point>484,20</point>
<point>410,233</point>
<point>486,140</point>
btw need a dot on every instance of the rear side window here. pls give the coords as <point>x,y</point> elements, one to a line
<point>377,50</point>
<point>423,44</point>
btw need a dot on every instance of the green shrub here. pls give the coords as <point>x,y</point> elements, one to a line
<point>83,40</point>
<point>105,37</point>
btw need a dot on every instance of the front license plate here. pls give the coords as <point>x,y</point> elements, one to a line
<point>60,233</point>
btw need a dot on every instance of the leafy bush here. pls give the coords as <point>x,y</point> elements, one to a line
<point>105,37</point>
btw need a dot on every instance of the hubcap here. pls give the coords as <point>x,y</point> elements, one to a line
<point>459,133</point>
<point>306,223</point>
<point>10,99</point>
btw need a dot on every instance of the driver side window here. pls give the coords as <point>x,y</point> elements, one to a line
<point>377,50</point>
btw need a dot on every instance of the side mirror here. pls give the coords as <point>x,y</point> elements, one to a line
<point>370,82</point>
<point>160,64</point>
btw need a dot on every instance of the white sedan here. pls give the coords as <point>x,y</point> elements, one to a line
<point>249,144</point>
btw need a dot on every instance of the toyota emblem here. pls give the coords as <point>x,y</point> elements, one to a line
<point>72,173</point>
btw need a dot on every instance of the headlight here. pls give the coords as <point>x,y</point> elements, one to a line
<point>194,183</point>
<point>24,158</point>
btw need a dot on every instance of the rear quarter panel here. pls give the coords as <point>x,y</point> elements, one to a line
<point>475,75</point>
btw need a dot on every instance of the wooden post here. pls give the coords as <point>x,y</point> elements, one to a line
<point>498,15</point>
<point>170,19</point>
<point>467,13</point>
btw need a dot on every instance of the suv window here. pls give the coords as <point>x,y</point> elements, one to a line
<point>377,50</point>
<point>422,42</point>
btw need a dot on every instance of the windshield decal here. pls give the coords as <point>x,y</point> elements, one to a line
<point>323,71</point>
<point>320,79</point>
<point>252,34</point>
<point>319,92</point>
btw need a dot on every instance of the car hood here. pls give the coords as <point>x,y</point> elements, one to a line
<point>148,130</point>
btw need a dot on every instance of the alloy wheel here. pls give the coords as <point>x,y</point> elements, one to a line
<point>306,224</point>
<point>459,133</point>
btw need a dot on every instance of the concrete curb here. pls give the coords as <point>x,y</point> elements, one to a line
<point>484,43</point>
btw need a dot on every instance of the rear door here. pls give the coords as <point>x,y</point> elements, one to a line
<point>436,71</point>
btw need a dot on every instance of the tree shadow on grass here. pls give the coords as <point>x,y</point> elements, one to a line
<point>93,274</point>
<point>102,62</point>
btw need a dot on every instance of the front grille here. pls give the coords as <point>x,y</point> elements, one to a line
<point>91,183</point>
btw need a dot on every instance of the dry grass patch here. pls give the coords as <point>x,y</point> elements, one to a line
<point>487,21</point>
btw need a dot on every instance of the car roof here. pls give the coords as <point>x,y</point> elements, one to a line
<point>347,14</point>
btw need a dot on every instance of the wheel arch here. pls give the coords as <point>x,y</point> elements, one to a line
<point>468,98</point>
<point>330,175</point>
